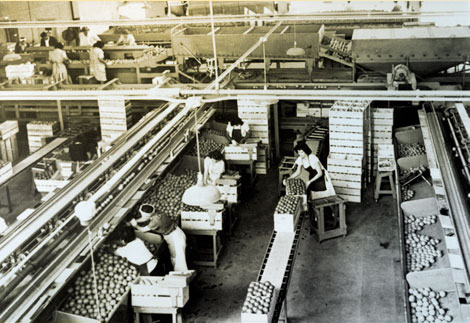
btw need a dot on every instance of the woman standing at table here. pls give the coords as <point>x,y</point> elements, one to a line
<point>308,161</point>
<point>97,62</point>
<point>59,58</point>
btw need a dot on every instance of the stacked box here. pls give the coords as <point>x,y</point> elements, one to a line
<point>38,131</point>
<point>6,171</point>
<point>381,132</point>
<point>349,124</point>
<point>9,143</point>
<point>256,113</point>
<point>115,118</point>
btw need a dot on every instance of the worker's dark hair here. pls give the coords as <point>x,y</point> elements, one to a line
<point>59,45</point>
<point>215,154</point>
<point>43,34</point>
<point>236,121</point>
<point>98,44</point>
<point>147,208</point>
<point>127,234</point>
<point>302,145</point>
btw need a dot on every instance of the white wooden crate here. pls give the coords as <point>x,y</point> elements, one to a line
<point>241,152</point>
<point>284,222</point>
<point>262,318</point>
<point>208,220</point>
<point>8,129</point>
<point>149,291</point>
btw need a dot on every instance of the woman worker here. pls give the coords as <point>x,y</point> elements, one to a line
<point>59,58</point>
<point>135,251</point>
<point>126,38</point>
<point>311,163</point>
<point>175,238</point>
<point>97,62</point>
<point>239,132</point>
<point>214,167</point>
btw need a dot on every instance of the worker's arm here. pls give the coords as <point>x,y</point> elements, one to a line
<point>298,162</point>
<point>206,170</point>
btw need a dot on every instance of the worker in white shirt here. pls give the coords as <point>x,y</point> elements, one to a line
<point>214,167</point>
<point>126,39</point>
<point>135,251</point>
<point>85,38</point>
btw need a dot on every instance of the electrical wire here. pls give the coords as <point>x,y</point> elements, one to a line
<point>95,285</point>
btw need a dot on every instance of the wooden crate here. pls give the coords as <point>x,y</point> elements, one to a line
<point>241,152</point>
<point>150,291</point>
<point>8,129</point>
<point>262,318</point>
<point>6,171</point>
<point>9,149</point>
<point>287,222</point>
<point>229,187</point>
<point>208,220</point>
<point>49,185</point>
<point>349,194</point>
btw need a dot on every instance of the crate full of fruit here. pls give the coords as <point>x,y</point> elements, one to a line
<point>287,213</point>
<point>156,291</point>
<point>260,303</point>
<point>296,187</point>
<point>197,218</point>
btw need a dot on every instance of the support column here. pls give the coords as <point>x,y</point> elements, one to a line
<point>277,145</point>
<point>61,117</point>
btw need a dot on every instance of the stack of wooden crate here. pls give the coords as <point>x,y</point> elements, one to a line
<point>38,131</point>
<point>115,118</point>
<point>349,123</point>
<point>380,134</point>
<point>256,113</point>
<point>9,144</point>
<point>6,170</point>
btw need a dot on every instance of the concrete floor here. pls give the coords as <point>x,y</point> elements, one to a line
<point>356,278</point>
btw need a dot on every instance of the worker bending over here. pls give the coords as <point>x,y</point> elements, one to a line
<point>162,224</point>
<point>214,167</point>
<point>135,251</point>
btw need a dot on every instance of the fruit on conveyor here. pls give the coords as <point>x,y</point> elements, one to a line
<point>287,205</point>
<point>205,147</point>
<point>295,186</point>
<point>426,306</point>
<point>407,194</point>
<point>192,208</point>
<point>113,276</point>
<point>408,150</point>
<point>421,250</point>
<point>259,298</point>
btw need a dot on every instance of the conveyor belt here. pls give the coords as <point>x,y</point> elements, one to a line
<point>279,261</point>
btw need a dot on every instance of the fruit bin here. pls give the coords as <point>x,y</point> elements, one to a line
<point>421,209</point>
<point>440,280</point>
<point>49,185</point>
<point>285,221</point>
<point>168,291</point>
<point>65,317</point>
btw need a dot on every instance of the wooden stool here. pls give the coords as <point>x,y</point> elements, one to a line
<point>337,207</point>
<point>175,312</point>
<point>214,252</point>
<point>378,185</point>
<point>85,79</point>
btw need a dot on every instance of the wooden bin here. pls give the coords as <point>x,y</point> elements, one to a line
<point>242,152</point>
<point>150,291</point>
<point>229,187</point>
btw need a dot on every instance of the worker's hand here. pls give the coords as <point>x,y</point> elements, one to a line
<point>284,182</point>
<point>234,142</point>
<point>133,222</point>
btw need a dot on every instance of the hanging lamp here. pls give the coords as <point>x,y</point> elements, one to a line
<point>199,194</point>
<point>295,51</point>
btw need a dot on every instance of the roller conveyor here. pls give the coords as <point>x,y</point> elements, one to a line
<point>278,263</point>
<point>29,285</point>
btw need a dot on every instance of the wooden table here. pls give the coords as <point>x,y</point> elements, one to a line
<point>216,246</point>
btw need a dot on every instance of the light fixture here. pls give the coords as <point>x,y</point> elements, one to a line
<point>295,51</point>
<point>199,194</point>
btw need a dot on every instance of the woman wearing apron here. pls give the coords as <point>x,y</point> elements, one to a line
<point>59,58</point>
<point>311,163</point>
<point>238,133</point>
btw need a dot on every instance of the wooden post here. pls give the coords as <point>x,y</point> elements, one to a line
<point>276,130</point>
<point>61,117</point>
